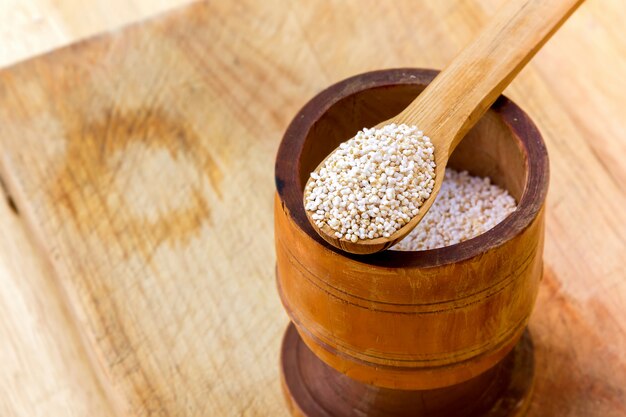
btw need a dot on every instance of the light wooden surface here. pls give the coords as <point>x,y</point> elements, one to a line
<point>45,369</point>
<point>151,241</point>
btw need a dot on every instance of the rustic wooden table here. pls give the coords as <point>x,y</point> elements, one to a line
<point>166,309</point>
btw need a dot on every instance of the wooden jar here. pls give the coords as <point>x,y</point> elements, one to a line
<point>417,331</point>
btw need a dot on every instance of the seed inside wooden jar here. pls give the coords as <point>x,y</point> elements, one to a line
<point>465,207</point>
<point>373,184</point>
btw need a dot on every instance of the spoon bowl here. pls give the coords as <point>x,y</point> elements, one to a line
<point>368,246</point>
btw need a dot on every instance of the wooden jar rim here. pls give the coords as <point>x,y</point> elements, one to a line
<point>290,188</point>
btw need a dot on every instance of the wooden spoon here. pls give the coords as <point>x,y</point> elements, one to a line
<point>456,99</point>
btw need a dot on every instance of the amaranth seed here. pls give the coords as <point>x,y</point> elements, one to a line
<point>465,207</point>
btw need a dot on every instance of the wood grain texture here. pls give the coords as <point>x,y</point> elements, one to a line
<point>183,315</point>
<point>30,27</point>
<point>46,370</point>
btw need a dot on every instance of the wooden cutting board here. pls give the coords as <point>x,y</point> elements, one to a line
<point>142,163</point>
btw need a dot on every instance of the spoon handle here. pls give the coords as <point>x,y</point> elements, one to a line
<point>468,86</point>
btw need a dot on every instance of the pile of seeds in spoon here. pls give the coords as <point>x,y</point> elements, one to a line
<point>465,207</point>
<point>373,184</point>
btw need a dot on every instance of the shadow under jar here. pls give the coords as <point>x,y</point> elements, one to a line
<point>431,333</point>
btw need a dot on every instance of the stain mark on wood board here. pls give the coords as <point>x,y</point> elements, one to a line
<point>7,196</point>
<point>136,170</point>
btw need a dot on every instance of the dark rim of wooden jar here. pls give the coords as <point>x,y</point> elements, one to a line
<point>290,188</point>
